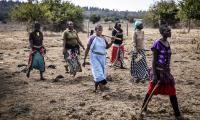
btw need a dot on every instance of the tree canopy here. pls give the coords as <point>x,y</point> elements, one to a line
<point>54,12</point>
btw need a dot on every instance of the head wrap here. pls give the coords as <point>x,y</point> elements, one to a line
<point>137,24</point>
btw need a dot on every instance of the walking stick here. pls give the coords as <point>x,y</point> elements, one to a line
<point>146,103</point>
<point>112,37</point>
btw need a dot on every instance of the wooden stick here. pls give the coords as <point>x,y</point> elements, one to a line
<point>112,37</point>
<point>146,103</point>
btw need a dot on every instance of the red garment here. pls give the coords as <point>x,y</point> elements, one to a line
<point>117,56</point>
<point>162,89</point>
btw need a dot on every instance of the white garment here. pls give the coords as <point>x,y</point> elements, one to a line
<point>98,45</point>
<point>98,61</point>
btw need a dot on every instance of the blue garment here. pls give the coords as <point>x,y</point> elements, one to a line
<point>38,61</point>
<point>98,63</point>
<point>98,45</point>
<point>98,58</point>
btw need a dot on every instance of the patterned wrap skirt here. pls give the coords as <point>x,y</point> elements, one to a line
<point>166,83</point>
<point>139,69</point>
<point>71,57</point>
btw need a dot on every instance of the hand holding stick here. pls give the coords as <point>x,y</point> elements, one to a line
<point>112,37</point>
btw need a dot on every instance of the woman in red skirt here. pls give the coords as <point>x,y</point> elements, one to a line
<point>161,70</point>
<point>117,54</point>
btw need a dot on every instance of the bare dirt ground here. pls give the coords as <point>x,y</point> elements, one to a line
<point>71,98</point>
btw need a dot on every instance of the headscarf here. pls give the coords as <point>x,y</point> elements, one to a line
<point>137,24</point>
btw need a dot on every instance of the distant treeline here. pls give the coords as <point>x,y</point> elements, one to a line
<point>113,15</point>
<point>5,7</point>
<point>177,14</point>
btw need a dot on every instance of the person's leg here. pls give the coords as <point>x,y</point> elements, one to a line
<point>96,86</point>
<point>41,75</point>
<point>175,107</point>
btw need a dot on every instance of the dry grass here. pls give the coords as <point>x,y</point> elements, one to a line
<point>73,98</point>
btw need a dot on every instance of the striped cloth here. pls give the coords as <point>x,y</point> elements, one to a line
<point>139,69</point>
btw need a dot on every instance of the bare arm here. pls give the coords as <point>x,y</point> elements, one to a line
<point>64,43</point>
<point>154,61</point>
<point>86,53</point>
<point>135,40</point>
<point>108,45</point>
<point>42,39</point>
<point>31,41</point>
<point>79,41</point>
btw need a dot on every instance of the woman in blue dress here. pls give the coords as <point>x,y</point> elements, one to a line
<point>97,46</point>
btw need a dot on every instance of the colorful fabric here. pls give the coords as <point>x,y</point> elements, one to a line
<point>162,89</point>
<point>36,59</point>
<point>71,57</point>
<point>164,76</point>
<point>98,57</point>
<point>117,55</point>
<point>164,54</point>
<point>139,69</point>
<point>166,80</point>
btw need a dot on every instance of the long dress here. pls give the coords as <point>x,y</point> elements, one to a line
<point>98,58</point>
<point>167,83</point>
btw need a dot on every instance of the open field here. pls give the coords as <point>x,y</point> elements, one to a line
<point>73,98</point>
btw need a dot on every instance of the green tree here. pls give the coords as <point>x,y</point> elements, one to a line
<point>163,10</point>
<point>95,18</point>
<point>189,10</point>
<point>28,12</point>
<point>55,13</point>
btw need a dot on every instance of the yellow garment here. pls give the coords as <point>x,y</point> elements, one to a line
<point>70,37</point>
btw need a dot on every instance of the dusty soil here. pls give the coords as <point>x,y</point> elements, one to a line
<point>71,98</point>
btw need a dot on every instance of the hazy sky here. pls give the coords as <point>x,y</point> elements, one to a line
<point>121,5</point>
<point>131,5</point>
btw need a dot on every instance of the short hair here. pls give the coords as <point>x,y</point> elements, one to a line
<point>163,27</point>
<point>98,26</point>
<point>37,25</point>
